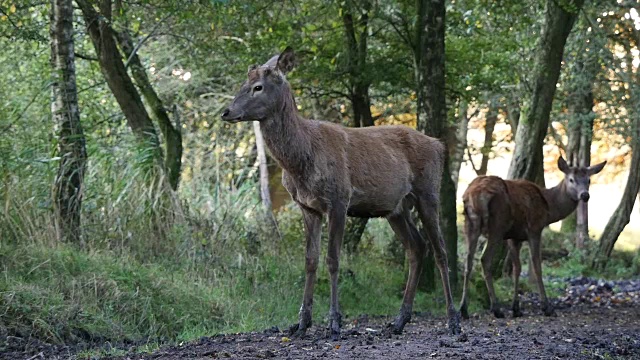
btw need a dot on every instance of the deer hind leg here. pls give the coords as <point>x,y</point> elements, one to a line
<point>487,257</point>
<point>472,233</point>
<point>415,246</point>
<point>429,214</point>
<point>313,227</point>
<point>337,220</point>
<point>536,255</point>
<point>514,249</point>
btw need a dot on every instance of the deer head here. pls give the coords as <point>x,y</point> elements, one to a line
<point>577,179</point>
<point>259,97</point>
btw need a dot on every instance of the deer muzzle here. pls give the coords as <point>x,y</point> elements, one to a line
<point>584,196</point>
<point>231,116</point>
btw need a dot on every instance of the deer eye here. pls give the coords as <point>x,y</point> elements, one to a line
<point>257,88</point>
<point>571,180</point>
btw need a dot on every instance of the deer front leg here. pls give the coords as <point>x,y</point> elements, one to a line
<point>536,261</point>
<point>312,227</point>
<point>337,220</point>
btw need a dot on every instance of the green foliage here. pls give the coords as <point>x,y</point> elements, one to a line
<point>61,295</point>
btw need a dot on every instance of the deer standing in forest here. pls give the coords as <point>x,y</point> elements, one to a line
<point>328,169</point>
<point>517,211</point>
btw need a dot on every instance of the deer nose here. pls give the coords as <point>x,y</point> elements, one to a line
<point>584,196</point>
<point>225,113</point>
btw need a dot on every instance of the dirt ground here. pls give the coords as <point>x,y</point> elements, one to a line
<point>593,321</point>
<point>579,332</point>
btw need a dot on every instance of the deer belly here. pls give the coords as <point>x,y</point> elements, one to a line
<point>378,205</point>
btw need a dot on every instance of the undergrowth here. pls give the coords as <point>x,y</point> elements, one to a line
<point>155,269</point>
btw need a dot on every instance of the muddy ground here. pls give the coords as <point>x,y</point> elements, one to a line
<point>593,322</point>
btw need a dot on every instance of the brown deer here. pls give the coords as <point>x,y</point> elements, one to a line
<point>381,171</point>
<point>517,211</point>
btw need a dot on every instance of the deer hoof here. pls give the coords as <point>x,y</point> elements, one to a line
<point>548,310</point>
<point>516,310</point>
<point>498,313</point>
<point>454,323</point>
<point>464,312</point>
<point>334,326</point>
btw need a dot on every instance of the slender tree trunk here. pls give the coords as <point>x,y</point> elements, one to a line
<point>622,215</point>
<point>457,150</point>
<point>119,82</point>
<point>429,57</point>
<point>356,36</point>
<point>170,132</point>
<point>262,163</point>
<point>527,161</point>
<point>68,188</point>
<point>532,127</point>
<point>512,109</point>
<point>489,126</point>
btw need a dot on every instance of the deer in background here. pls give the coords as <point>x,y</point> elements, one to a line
<point>328,169</point>
<point>517,211</point>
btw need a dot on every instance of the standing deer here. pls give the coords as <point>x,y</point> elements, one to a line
<point>517,211</point>
<point>338,171</point>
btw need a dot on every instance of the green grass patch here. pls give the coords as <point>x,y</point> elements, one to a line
<point>62,295</point>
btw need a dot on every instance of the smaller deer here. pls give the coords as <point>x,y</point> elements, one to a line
<point>517,211</point>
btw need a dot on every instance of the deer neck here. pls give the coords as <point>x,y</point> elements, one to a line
<point>287,137</point>
<point>560,204</point>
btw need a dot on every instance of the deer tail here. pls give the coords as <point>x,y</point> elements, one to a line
<point>476,209</point>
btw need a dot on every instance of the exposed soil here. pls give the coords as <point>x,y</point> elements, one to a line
<point>601,329</point>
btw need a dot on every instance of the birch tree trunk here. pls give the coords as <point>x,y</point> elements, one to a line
<point>68,187</point>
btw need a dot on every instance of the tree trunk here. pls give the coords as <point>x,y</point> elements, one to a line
<point>512,108</point>
<point>622,215</point>
<point>532,127</point>
<point>489,126</point>
<point>356,35</point>
<point>262,166</point>
<point>527,161</point>
<point>68,188</point>
<point>456,154</point>
<point>172,134</point>
<point>119,82</point>
<point>429,60</point>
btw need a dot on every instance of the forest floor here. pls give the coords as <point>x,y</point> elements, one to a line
<point>577,333</point>
<point>593,321</point>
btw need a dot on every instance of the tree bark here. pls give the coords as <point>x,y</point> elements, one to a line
<point>622,215</point>
<point>115,74</point>
<point>532,127</point>
<point>356,36</point>
<point>489,126</point>
<point>262,166</point>
<point>580,136</point>
<point>457,149</point>
<point>527,161</point>
<point>68,187</point>
<point>172,134</point>
<point>429,60</point>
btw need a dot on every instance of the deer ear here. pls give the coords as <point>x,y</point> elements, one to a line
<point>562,165</point>
<point>286,60</point>
<point>592,170</point>
<point>272,62</point>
